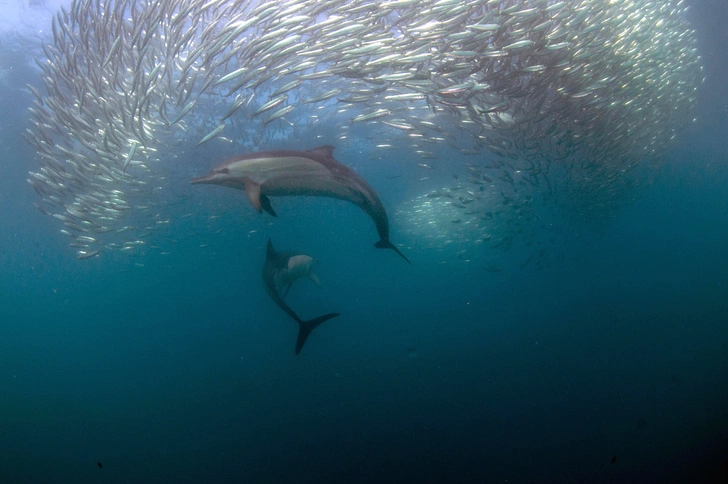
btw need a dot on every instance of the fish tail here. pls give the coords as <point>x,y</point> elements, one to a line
<point>305,328</point>
<point>385,244</point>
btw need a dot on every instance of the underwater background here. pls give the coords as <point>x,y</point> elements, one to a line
<point>606,363</point>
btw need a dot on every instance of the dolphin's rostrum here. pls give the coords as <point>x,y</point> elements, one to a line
<point>282,269</point>
<point>287,172</point>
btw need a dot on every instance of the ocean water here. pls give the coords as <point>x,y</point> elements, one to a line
<point>608,365</point>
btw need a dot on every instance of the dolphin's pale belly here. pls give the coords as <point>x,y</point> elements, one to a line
<point>298,266</point>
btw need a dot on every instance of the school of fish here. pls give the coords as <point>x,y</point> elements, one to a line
<point>529,103</point>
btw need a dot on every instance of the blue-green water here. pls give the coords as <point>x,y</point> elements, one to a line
<point>183,370</point>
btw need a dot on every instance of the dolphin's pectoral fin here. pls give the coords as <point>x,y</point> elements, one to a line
<point>265,204</point>
<point>314,278</point>
<point>305,328</point>
<point>288,288</point>
<point>252,190</point>
<point>385,244</point>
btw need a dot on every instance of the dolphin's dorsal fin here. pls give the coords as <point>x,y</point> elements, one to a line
<point>252,190</point>
<point>270,252</point>
<point>325,150</point>
<point>274,259</point>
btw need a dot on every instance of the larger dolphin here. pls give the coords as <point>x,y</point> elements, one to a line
<point>287,172</point>
<point>283,268</point>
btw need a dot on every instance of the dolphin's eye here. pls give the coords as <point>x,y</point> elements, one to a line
<point>224,170</point>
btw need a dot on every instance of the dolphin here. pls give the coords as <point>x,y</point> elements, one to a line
<point>287,172</point>
<point>283,268</point>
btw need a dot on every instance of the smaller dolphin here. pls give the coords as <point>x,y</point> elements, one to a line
<point>283,269</point>
<point>314,173</point>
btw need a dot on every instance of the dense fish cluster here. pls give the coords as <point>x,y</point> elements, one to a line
<point>542,100</point>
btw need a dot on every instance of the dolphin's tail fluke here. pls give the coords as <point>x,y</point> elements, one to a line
<point>385,244</point>
<point>305,328</point>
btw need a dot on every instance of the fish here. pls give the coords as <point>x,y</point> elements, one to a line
<point>82,254</point>
<point>527,80</point>
<point>270,105</point>
<point>129,156</point>
<point>379,113</point>
<point>313,173</point>
<point>279,113</point>
<point>285,268</point>
<point>211,134</point>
